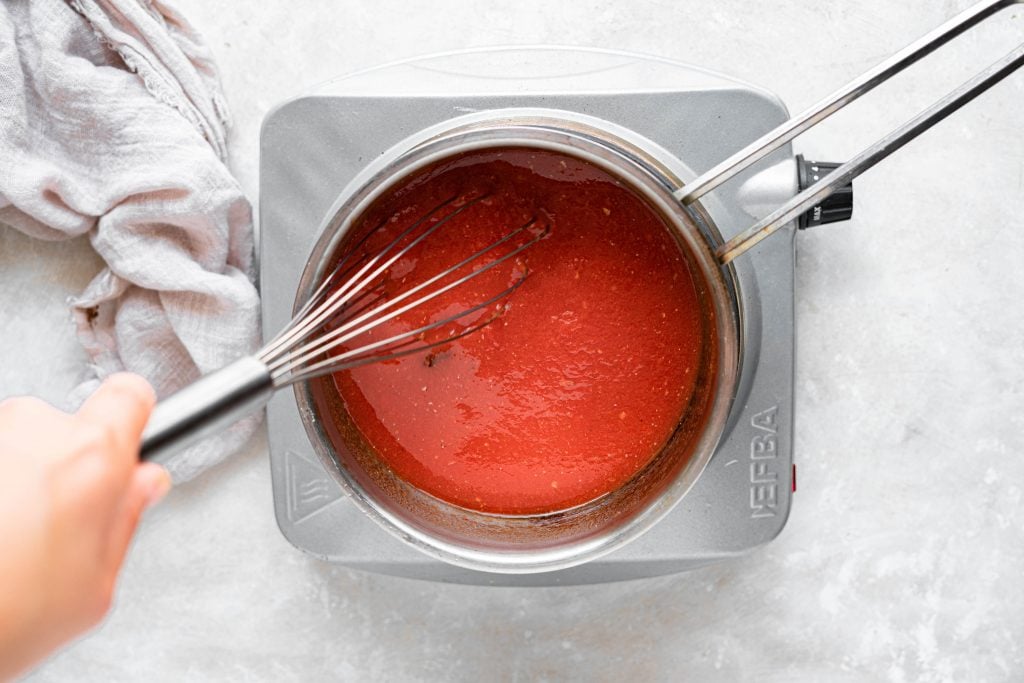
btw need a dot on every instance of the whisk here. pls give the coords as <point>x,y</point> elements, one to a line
<point>331,331</point>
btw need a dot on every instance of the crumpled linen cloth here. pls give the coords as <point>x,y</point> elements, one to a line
<point>113,125</point>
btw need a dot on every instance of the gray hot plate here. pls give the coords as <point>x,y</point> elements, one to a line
<point>312,146</point>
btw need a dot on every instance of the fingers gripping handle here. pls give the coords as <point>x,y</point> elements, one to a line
<point>206,406</point>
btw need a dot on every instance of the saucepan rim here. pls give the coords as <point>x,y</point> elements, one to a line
<point>644,168</point>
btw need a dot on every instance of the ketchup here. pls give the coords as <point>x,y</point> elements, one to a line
<point>581,375</point>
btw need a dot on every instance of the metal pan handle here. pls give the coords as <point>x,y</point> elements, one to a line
<point>845,174</point>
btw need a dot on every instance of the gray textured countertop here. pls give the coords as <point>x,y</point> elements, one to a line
<point>904,551</point>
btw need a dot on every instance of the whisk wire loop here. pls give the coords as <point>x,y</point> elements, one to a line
<point>359,303</point>
<point>352,327</point>
<point>368,353</point>
<point>309,322</point>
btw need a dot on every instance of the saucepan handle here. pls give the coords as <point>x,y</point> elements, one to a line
<point>844,175</point>
<point>214,401</point>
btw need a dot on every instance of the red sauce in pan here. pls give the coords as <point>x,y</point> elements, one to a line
<point>584,371</point>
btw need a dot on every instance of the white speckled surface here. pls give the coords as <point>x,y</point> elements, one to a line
<point>904,551</point>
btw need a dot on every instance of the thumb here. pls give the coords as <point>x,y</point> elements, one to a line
<point>150,482</point>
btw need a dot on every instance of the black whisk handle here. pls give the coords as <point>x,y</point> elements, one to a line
<point>207,405</point>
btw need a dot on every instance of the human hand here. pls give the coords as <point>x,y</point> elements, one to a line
<point>71,494</point>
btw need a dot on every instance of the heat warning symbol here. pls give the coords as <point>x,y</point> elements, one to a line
<point>308,489</point>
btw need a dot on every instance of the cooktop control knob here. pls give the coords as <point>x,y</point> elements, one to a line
<point>836,207</point>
